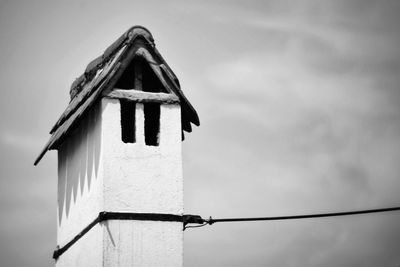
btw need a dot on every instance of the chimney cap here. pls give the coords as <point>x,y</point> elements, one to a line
<point>101,74</point>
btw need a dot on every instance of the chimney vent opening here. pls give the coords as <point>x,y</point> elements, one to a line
<point>152,123</point>
<point>128,109</point>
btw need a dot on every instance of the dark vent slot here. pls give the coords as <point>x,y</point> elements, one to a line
<point>127,79</point>
<point>151,83</point>
<point>127,121</point>
<point>151,123</point>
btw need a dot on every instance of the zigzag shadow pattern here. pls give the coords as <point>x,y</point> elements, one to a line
<point>78,159</point>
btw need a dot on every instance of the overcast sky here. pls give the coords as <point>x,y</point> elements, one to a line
<point>299,110</point>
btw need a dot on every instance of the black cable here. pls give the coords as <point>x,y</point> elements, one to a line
<point>60,250</point>
<point>195,226</point>
<point>196,219</point>
<point>304,216</point>
<point>104,216</point>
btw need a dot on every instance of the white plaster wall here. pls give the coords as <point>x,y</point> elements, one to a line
<point>97,172</point>
<point>140,178</point>
<point>87,252</point>
<point>80,177</point>
<point>80,191</point>
<point>143,243</point>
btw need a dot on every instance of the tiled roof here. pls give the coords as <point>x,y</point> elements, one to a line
<point>102,73</point>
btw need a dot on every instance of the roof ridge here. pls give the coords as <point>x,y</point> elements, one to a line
<point>101,60</point>
<point>102,73</point>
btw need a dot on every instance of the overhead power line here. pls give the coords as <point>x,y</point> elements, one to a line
<point>195,219</point>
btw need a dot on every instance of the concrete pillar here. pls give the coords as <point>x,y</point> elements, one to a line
<point>98,172</point>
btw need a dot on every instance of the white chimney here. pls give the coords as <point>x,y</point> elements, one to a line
<point>120,185</point>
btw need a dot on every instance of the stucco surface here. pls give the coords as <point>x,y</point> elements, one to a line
<point>142,178</point>
<point>143,243</point>
<point>87,252</point>
<point>80,177</point>
<point>98,172</point>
